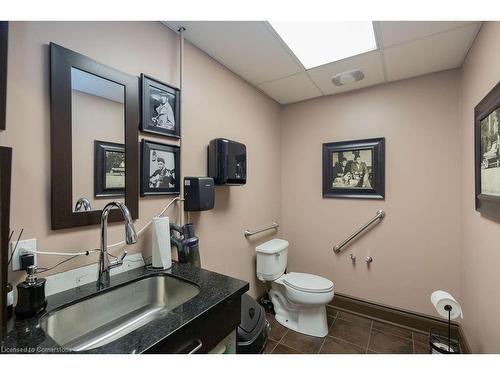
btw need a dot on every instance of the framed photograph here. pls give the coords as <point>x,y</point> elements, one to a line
<point>354,169</point>
<point>487,154</point>
<point>160,168</point>
<point>109,169</point>
<point>160,108</point>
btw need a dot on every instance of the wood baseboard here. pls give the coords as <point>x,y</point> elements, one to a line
<point>404,318</point>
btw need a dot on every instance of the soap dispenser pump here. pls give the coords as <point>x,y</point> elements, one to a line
<point>30,295</point>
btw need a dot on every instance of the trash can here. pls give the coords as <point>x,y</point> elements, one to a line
<point>251,335</point>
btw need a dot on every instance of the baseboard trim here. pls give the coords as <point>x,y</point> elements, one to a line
<point>400,317</point>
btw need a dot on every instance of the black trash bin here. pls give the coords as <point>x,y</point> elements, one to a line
<point>251,336</point>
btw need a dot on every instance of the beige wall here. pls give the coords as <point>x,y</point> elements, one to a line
<point>416,248</point>
<point>480,276</point>
<point>216,103</point>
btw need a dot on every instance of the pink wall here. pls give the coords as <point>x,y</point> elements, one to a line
<point>480,275</point>
<point>416,248</point>
<point>216,103</point>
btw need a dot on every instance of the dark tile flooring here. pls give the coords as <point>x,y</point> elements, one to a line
<point>348,333</point>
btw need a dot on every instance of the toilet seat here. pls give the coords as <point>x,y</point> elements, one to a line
<point>305,289</point>
<point>306,282</point>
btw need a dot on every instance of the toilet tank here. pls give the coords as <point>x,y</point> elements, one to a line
<point>271,259</point>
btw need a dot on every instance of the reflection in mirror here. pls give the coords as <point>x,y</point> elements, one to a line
<point>98,138</point>
<point>83,204</point>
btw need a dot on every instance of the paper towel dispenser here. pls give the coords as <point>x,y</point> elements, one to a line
<point>227,162</point>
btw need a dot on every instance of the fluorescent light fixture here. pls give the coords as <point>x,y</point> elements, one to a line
<point>317,43</point>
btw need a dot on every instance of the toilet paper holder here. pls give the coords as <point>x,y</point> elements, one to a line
<point>447,307</point>
<point>440,344</point>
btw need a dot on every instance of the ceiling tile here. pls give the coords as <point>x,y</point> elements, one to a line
<point>252,50</point>
<point>396,32</point>
<point>369,63</point>
<point>291,89</point>
<point>428,55</point>
<point>248,48</point>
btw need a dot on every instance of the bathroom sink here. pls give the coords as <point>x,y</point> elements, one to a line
<point>107,316</point>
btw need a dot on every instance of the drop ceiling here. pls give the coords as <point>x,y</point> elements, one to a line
<point>254,51</point>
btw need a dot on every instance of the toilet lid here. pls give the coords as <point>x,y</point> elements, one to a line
<point>272,247</point>
<point>307,282</point>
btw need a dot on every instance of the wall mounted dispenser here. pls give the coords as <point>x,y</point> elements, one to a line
<point>227,162</point>
<point>199,194</point>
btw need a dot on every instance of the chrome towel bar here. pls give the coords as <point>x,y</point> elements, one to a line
<point>378,217</point>
<point>249,233</point>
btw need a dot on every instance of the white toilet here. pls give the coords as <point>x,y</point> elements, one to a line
<point>299,299</point>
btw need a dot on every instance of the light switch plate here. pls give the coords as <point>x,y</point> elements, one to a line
<point>21,249</point>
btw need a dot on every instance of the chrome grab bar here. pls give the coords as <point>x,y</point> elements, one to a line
<point>379,216</point>
<point>249,233</point>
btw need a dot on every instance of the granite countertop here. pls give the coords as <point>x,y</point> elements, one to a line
<point>27,336</point>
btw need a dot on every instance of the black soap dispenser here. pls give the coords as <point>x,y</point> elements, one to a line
<point>30,295</point>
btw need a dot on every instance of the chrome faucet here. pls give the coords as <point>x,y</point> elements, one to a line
<point>105,264</point>
<point>83,203</point>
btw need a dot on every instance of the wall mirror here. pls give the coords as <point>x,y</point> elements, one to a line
<point>94,148</point>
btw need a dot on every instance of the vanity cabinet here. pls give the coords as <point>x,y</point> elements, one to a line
<point>200,314</point>
<point>205,332</point>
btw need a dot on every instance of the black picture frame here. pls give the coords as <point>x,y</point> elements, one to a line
<point>486,204</point>
<point>62,60</point>
<point>146,177</point>
<point>373,178</point>
<point>149,88</point>
<point>101,148</point>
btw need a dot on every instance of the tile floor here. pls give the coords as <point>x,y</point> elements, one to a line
<point>348,334</point>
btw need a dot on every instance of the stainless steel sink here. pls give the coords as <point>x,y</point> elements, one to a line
<point>101,319</point>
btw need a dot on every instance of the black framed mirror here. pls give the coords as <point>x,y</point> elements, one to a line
<point>91,102</point>
<point>4,46</point>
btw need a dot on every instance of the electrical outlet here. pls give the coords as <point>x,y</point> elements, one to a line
<point>22,248</point>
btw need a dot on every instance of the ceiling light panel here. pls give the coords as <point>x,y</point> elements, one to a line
<point>317,43</point>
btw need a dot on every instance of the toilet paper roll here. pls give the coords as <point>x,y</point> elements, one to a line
<point>160,242</point>
<point>440,299</point>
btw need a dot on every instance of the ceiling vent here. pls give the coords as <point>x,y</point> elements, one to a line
<point>346,78</point>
